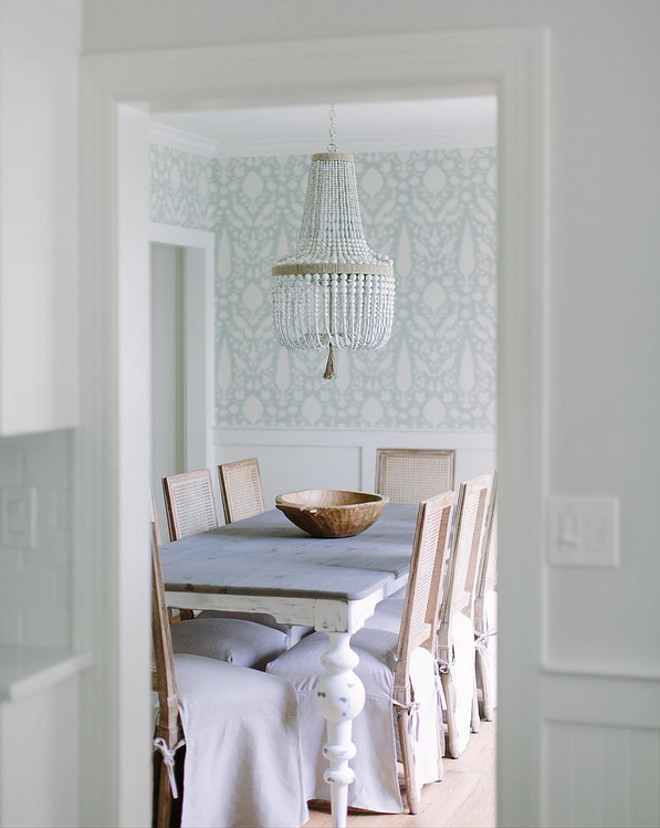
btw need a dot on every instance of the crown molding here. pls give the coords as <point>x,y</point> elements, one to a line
<point>259,146</point>
<point>167,136</point>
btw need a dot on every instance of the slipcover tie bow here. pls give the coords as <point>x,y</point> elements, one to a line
<point>168,760</point>
<point>481,639</point>
<point>445,666</point>
<point>412,710</point>
<point>437,677</point>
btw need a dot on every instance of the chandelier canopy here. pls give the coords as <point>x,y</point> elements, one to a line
<point>333,291</point>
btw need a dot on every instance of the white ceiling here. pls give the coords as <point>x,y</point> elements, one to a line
<point>360,127</point>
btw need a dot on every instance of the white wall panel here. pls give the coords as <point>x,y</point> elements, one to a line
<point>600,749</point>
<point>286,468</point>
<point>40,758</point>
<point>35,583</point>
<point>600,774</point>
<point>293,459</point>
<point>39,44</point>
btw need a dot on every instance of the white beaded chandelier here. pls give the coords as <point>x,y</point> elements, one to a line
<point>333,291</point>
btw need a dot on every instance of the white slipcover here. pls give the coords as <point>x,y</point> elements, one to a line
<point>388,612</point>
<point>294,631</point>
<point>387,615</point>
<point>242,763</point>
<point>399,595</point>
<point>239,642</point>
<point>487,648</point>
<point>376,785</point>
<point>462,678</point>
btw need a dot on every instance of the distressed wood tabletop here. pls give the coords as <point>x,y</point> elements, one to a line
<point>268,555</point>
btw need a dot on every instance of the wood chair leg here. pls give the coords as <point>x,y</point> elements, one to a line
<point>486,687</point>
<point>441,744</point>
<point>408,761</point>
<point>164,814</point>
<point>480,680</point>
<point>451,741</point>
<point>475,723</point>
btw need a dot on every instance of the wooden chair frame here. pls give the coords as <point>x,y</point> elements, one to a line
<point>459,590</point>
<point>485,583</point>
<point>422,458</point>
<point>420,617</point>
<point>240,486</point>
<point>168,737</point>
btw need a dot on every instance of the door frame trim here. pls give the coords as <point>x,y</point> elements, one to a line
<point>199,375</point>
<point>513,62</point>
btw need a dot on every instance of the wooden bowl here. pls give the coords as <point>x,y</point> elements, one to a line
<point>331,513</point>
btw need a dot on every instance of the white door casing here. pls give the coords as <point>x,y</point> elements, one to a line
<point>197,250</point>
<point>167,372</point>
<point>111,534</point>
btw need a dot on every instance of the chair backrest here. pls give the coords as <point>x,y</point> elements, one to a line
<point>420,610</point>
<point>462,569</point>
<point>189,503</point>
<point>411,475</point>
<point>240,485</point>
<point>163,654</point>
<point>488,564</point>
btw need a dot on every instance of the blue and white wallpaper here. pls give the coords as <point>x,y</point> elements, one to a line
<point>433,211</point>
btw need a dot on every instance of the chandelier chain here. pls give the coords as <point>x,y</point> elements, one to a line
<point>332,147</point>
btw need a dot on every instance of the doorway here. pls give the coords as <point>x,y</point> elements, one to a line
<point>384,67</point>
<point>182,358</point>
<point>427,194</point>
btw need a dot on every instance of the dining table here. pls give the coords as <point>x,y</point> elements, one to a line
<point>265,564</point>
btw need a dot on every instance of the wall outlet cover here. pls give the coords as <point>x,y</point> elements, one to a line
<point>584,531</point>
<point>18,517</point>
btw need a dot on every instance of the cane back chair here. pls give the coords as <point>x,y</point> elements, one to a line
<point>456,629</point>
<point>412,475</point>
<point>485,613</point>
<point>240,485</point>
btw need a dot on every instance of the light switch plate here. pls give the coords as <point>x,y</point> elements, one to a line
<point>18,517</point>
<point>584,531</point>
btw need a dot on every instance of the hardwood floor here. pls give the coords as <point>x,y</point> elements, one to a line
<point>464,799</point>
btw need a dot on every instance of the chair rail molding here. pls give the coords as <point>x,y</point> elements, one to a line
<point>294,458</point>
<point>111,541</point>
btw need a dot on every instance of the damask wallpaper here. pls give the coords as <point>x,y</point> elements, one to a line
<point>434,212</point>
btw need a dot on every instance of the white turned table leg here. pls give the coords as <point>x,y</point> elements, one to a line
<point>339,698</point>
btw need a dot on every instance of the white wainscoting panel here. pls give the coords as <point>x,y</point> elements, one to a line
<point>601,775</point>
<point>40,757</point>
<point>310,458</point>
<point>601,749</point>
<point>287,468</point>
